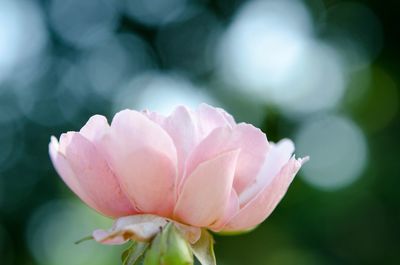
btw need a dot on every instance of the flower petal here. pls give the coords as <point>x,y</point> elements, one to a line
<point>187,128</point>
<point>278,155</point>
<point>137,227</point>
<point>65,171</point>
<point>260,207</point>
<point>231,209</point>
<point>96,178</point>
<point>182,128</point>
<point>250,140</point>
<point>143,157</point>
<point>206,191</point>
<point>95,129</point>
<point>154,116</point>
<point>209,118</point>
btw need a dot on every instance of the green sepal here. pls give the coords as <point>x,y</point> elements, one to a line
<point>169,247</point>
<point>203,249</point>
<point>134,253</point>
<point>179,251</point>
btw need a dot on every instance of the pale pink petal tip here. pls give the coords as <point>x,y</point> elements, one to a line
<point>300,161</point>
<point>303,160</point>
<point>53,147</point>
<point>54,141</point>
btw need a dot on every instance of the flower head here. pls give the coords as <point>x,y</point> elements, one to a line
<point>198,168</point>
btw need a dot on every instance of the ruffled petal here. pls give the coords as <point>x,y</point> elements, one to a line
<point>65,171</point>
<point>250,140</point>
<point>95,129</point>
<point>143,157</point>
<point>260,207</point>
<point>154,116</point>
<point>278,155</point>
<point>188,128</point>
<point>209,118</point>
<point>182,128</point>
<point>96,178</point>
<point>231,209</point>
<point>206,191</point>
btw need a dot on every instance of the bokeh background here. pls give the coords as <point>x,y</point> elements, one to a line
<point>324,73</point>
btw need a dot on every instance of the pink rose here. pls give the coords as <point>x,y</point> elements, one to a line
<point>198,168</point>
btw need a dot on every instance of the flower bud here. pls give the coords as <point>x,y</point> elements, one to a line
<point>169,247</point>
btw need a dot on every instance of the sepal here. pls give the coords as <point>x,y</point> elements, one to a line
<point>169,247</point>
<point>134,254</point>
<point>203,249</point>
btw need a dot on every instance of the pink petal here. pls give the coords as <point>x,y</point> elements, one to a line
<point>143,157</point>
<point>187,128</point>
<point>95,129</point>
<point>154,116</point>
<point>260,207</point>
<point>278,155</point>
<point>228,117</point>
<point>231,209</point>
<point>65,171</point>
<point>250,140</point>
<point>206,191</point>
<point>209,118</point>
<point>182,128</point>
<point>96,178</point>
<point>137,227</point>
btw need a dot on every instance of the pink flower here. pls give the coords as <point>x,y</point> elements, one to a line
<point>198,168</point>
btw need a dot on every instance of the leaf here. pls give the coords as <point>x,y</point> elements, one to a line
<point>133,254</point>
<point>86,238</point>
<point>203,249</point>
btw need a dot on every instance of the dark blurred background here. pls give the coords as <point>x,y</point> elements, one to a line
<point>323,73</point>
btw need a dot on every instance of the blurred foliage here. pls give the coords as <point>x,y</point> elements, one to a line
<point>62,61</point>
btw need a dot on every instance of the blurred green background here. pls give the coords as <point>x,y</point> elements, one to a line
<point>323,73</point>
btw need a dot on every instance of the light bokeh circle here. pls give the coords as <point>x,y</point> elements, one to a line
<point>338,151</point>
